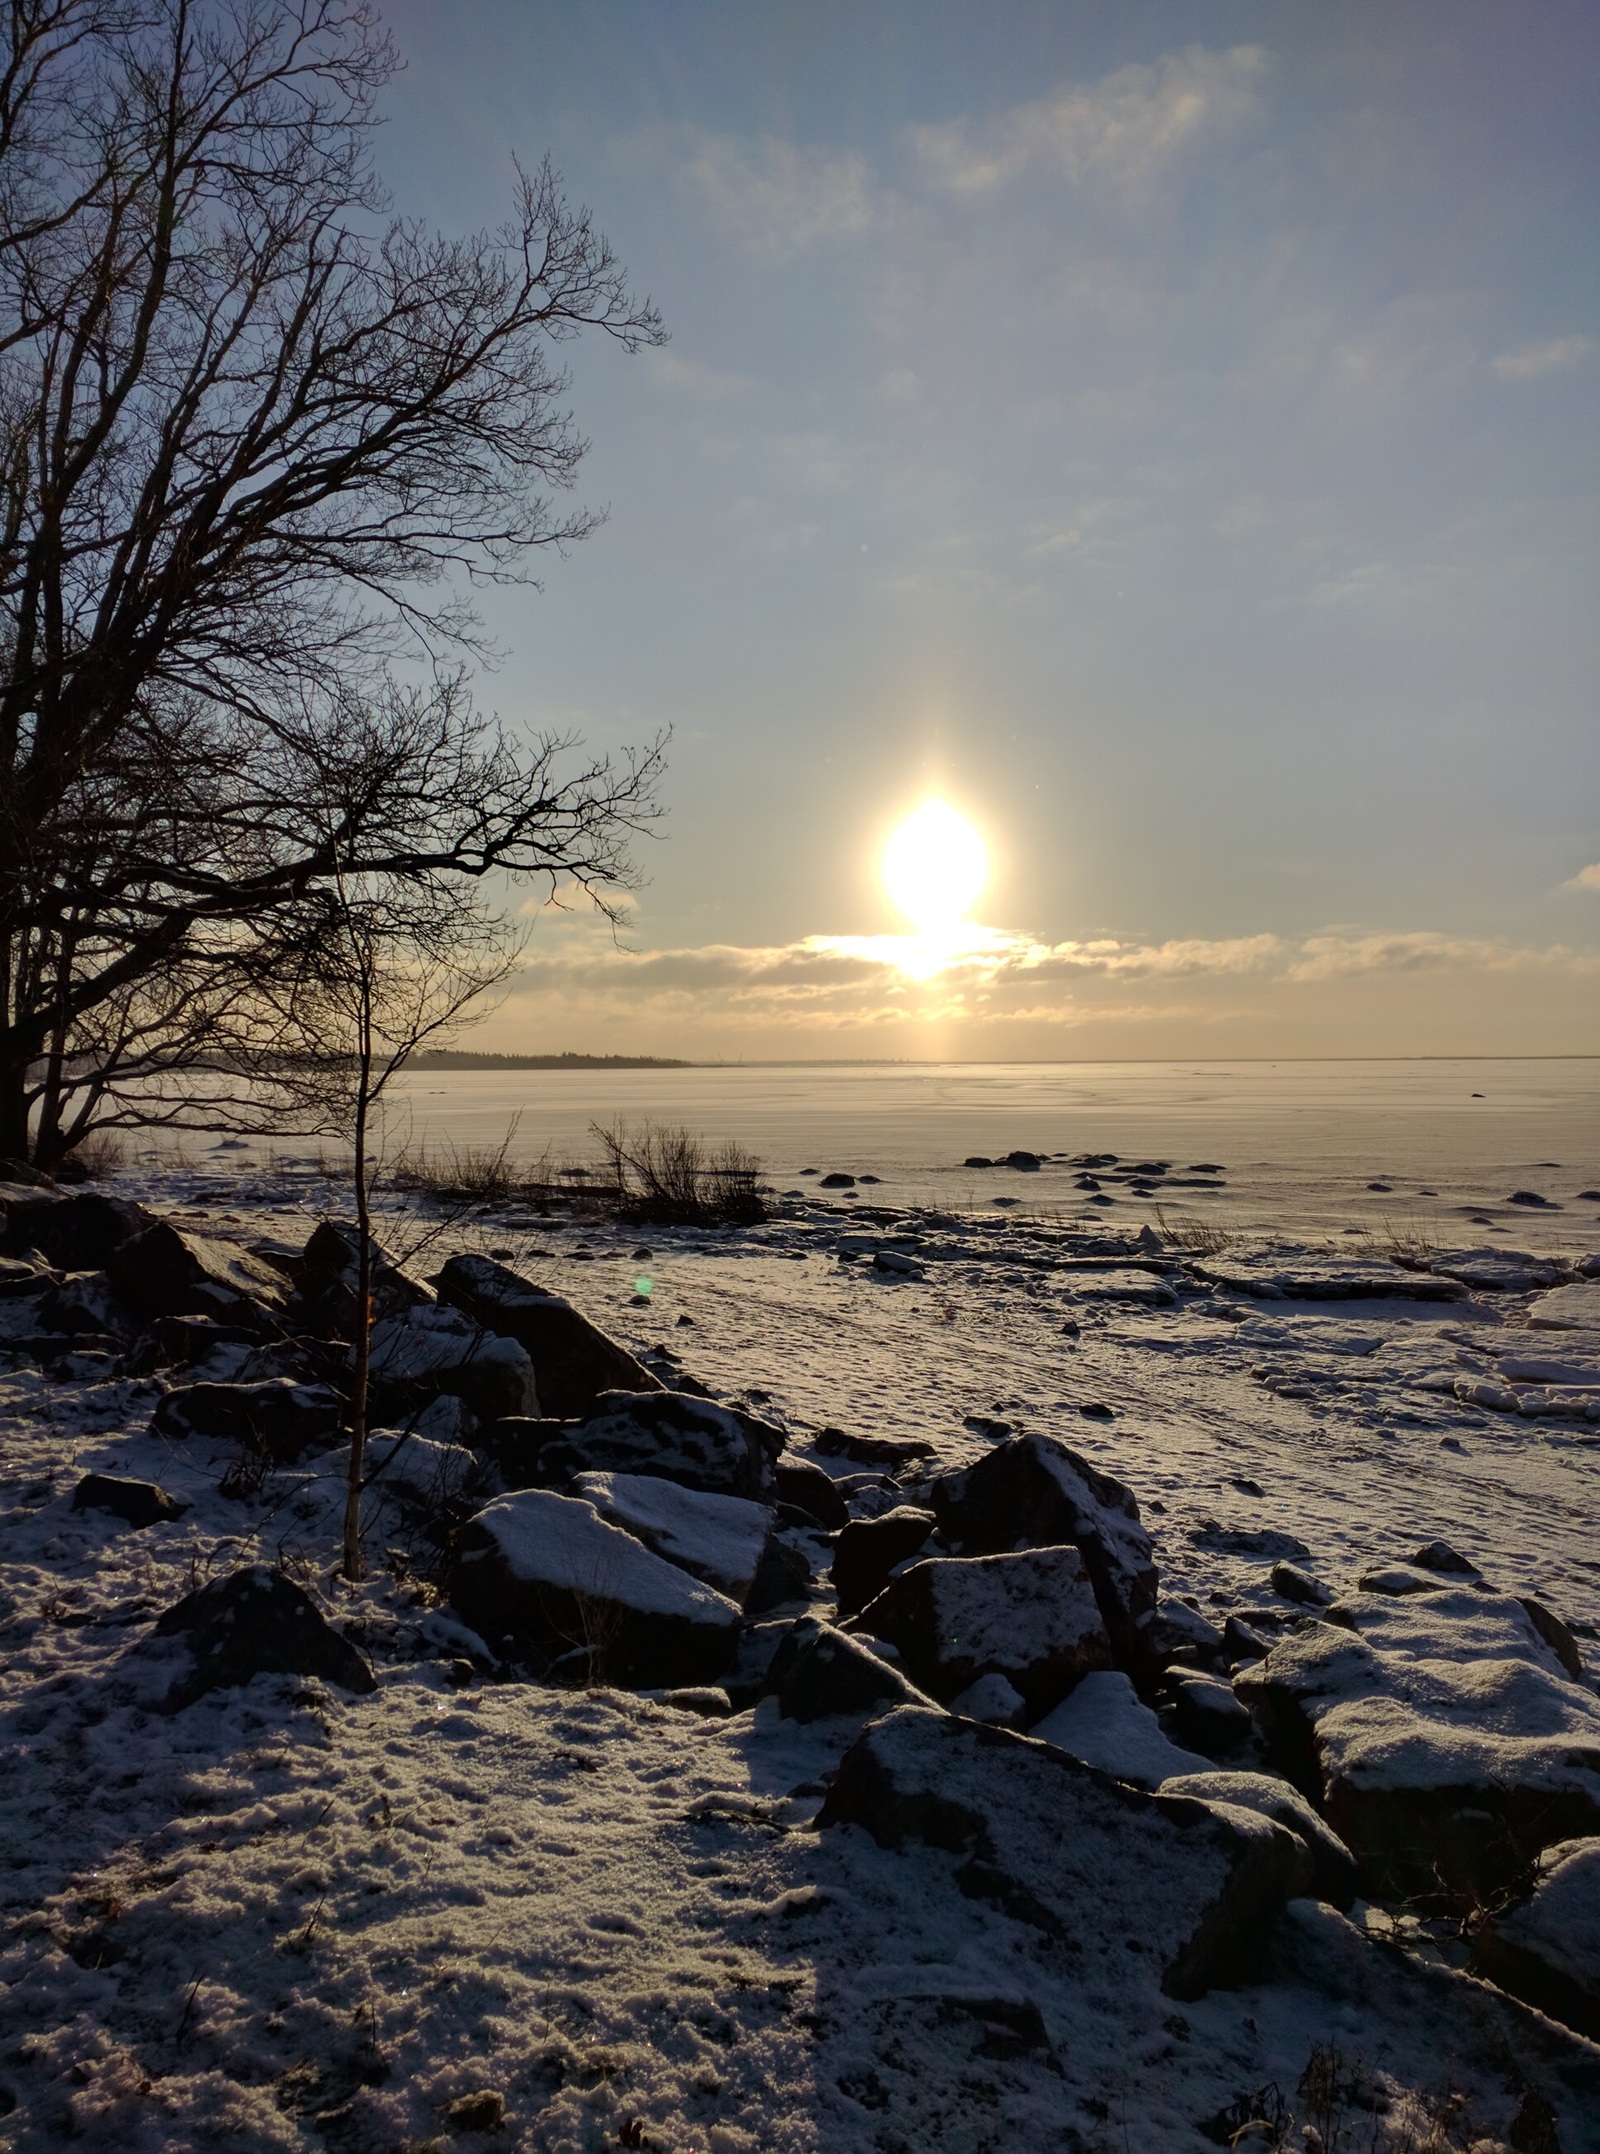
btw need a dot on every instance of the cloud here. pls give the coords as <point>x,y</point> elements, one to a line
<point>1585,879</point>
<point>1327,957</point>
<point>1120,131</point>
<point>781,197</point>
<point>1556,355</point>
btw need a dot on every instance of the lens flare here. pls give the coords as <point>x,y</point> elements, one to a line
<point>935,867</point>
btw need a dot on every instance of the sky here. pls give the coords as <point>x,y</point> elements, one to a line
<point>1165,431</point>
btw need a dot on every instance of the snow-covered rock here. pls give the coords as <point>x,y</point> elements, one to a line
<point>1104,1724</point>
<point>423,1351</point>
<point>327,1275</point>
<point>75,1233</point>
<point>819,1673</point>
<point>1190,1889</point>
<point>168,1271</point>
<point>255,1622</point>
<point>992,1700</point>
<point>1438,1732</point>
<point>1333,1870</point>
<point>1547,1950</point>
<point>678,1438</point>
<point>1495,1271</point>
<point>574,1362</point>
<point>720,1539</point>
<point>1034,1491</point>
<point>136,1503</point>
<point>867,1550</point>
<point>1031,1617</point>
<point>280,1417</point>
<point>1208,1714</point>
<point>1568,1308</point>
<point>1281,1275</point>
<point>549,1573</point>
<point>808,1487</point>
<point>86,1303</point>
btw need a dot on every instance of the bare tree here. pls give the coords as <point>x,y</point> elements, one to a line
<point>257,440</point>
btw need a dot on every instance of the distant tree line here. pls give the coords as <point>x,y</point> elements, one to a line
<point>259,438</point>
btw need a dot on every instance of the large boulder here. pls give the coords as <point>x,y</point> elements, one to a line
<point>819,1673</point>
<point>136,1503</point>
<point>283,1418</point>
<point>718,1539</point>
<point>1030,1617</point>
<point>1333,1870</point>
<point>1105,1724</point>
<point>868,1550</point>
<point>809,1489</point>
<point>574,1362</point>
<point>1440,1736</point>
<point>1188,1889</point>
<point>554,1577</point>
<point>1033,1492</point>
<point>167,1271</point>
<point>1546,1950</point>
<point>327,1273</point>
<point>86,1302</point>
<point>422,1352</point>
<point>255,1622</point>
<point>1568,1308</point>
<point>75,1233</point>
<point>667,1433</point>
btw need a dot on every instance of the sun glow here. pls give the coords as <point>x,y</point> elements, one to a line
<point>934,867</point>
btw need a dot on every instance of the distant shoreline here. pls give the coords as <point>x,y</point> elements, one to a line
<point>445,1058</point>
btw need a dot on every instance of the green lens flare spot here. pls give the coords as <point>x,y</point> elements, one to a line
<point>641,1286</point>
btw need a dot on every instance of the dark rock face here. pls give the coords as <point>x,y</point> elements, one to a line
<point>550,1574</point>
<point>574,1362</point>
<point>19,1276</point>
<point>165,1272</point>
<point>868,1549</point>
<point>1077,1854</point>
<point>326,1283</point>
<point>683,1439</point>
<point>76,1233</point>
<point>1035,1491</point>
<point>87,1302</point>
<point>136,1503</point>
<point>280,1417</point>
<point>783,1578</point>
<point>805,1487</point>
<point>874,1450</point>
<point>1031,1618</point>
<point>256,1622</point>
<point>1546,1950</point>
<point>423,1353</point>
<point>818,1672</point>
<point>1300,1586</point>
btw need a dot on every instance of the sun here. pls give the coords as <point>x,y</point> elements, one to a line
<point>934,867</point>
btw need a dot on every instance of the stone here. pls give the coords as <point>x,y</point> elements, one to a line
<point>1495,1271</point>
<point>23,1275</point>
<point>256,1622</point>
<point>84,1302</point>
<point>426,1477</point>
<point>1555,1634</point>
<point>574,1362</point>
<point>549,1573</point>
<point>482,2111</point>
<point>1568,1308</point>
<point>136,1503</point>
<point>282,1418</point>
<point>704,1700</point>
<point>1207,1714</point>
<point>1031,1617</point>
<point>167,1271</point>
<point>1263,1542</point>
<point>691,1441</point>
<point>1440,1557</point>
<point>1547,1949</point>
<point>327,1273</point>
<point>784,1577</point>
<point>1281,1275</point>
<point>977,1159</point>
<point>807,1487</point>
<point>1178,1632</point>
<point>874,1450</point>
<point>867,1550</point>
<point>992,1700</point>
<point>420,1352</point>
<point>895,1264</point>
<point>1105,1724</point>
<point>719,1539</point>
<point>838,1181</point>
<point>75,1233</point>
<point>1440,1736</point>
<point>1034,1491</point>
<point>819,1673</point>
<point>1333,1869</point>
<point>1299,1586</point>
<point>1097,1865</point>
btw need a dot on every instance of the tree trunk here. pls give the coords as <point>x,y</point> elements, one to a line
<point>353,1566</point>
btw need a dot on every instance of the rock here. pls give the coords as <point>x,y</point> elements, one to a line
<point>1104,1725</point>
<point>1259,1541</point>
<point>895,1264</point>
<point>1034,1490</point>
<point>1396,1579</point>
<point>874,1450</point>
<point>136,1503</point>
<point>783,1578</point>
<point>1241,1643</point>
<point>807,1487</point>
<point>1091,1862</point>
<point>1333,1869</point>
<point>1178,1632</point>
<point>1439,1735</point>
<point>1278,1276</point>
<point>977,1159</point>
<point>551,1574</point>
<point>1023,1162</point>
<point>1495,1271</point>
<point>1547,1950</point>
<point>327,1276</point>
<point>256,1622</point>
<point>704,1700</point>
<point>992,1700</point>
<point>819,1673</point>
<point>1141,1287</point>
<point>719,1539</point>
<point>1555,1634</point>
<point>422,1474</point>
<point>75,1233</point>
<point>167,1272</point>
<point>867,1550</point>
<point>282,1418</point>
<point>1567,1308</point>
<point>20,1276</point>
<point>1532,1199</point>
<point>1031,1617</point>
<point>678,1438</point>
<point>1439,1556</point>
<point>484,2111</point>
<point>1208,1714</point>
<point>574,1362</point>
<point>838,1181</point>
<point>421,1352</point>
<point>1299,1586</point>
<point>84,1302</point>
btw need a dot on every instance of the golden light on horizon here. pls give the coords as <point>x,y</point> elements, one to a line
<point>935,866</point>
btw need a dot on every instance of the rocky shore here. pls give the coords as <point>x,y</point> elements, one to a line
<point>874,1680</point>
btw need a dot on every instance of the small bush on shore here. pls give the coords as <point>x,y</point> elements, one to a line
<point>660,1176</point>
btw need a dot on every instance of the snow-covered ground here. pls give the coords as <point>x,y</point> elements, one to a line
<point>288,1917</point>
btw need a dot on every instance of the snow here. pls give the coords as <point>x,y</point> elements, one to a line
<point>547,1540</point>
<point>1567,1308</point>
<point>720,1539</point>
<point>1561,1922</point>
<point>1104,1724</point>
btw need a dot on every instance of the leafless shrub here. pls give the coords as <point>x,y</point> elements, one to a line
<point>1194,1236</point>
<point>663,1176</point>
